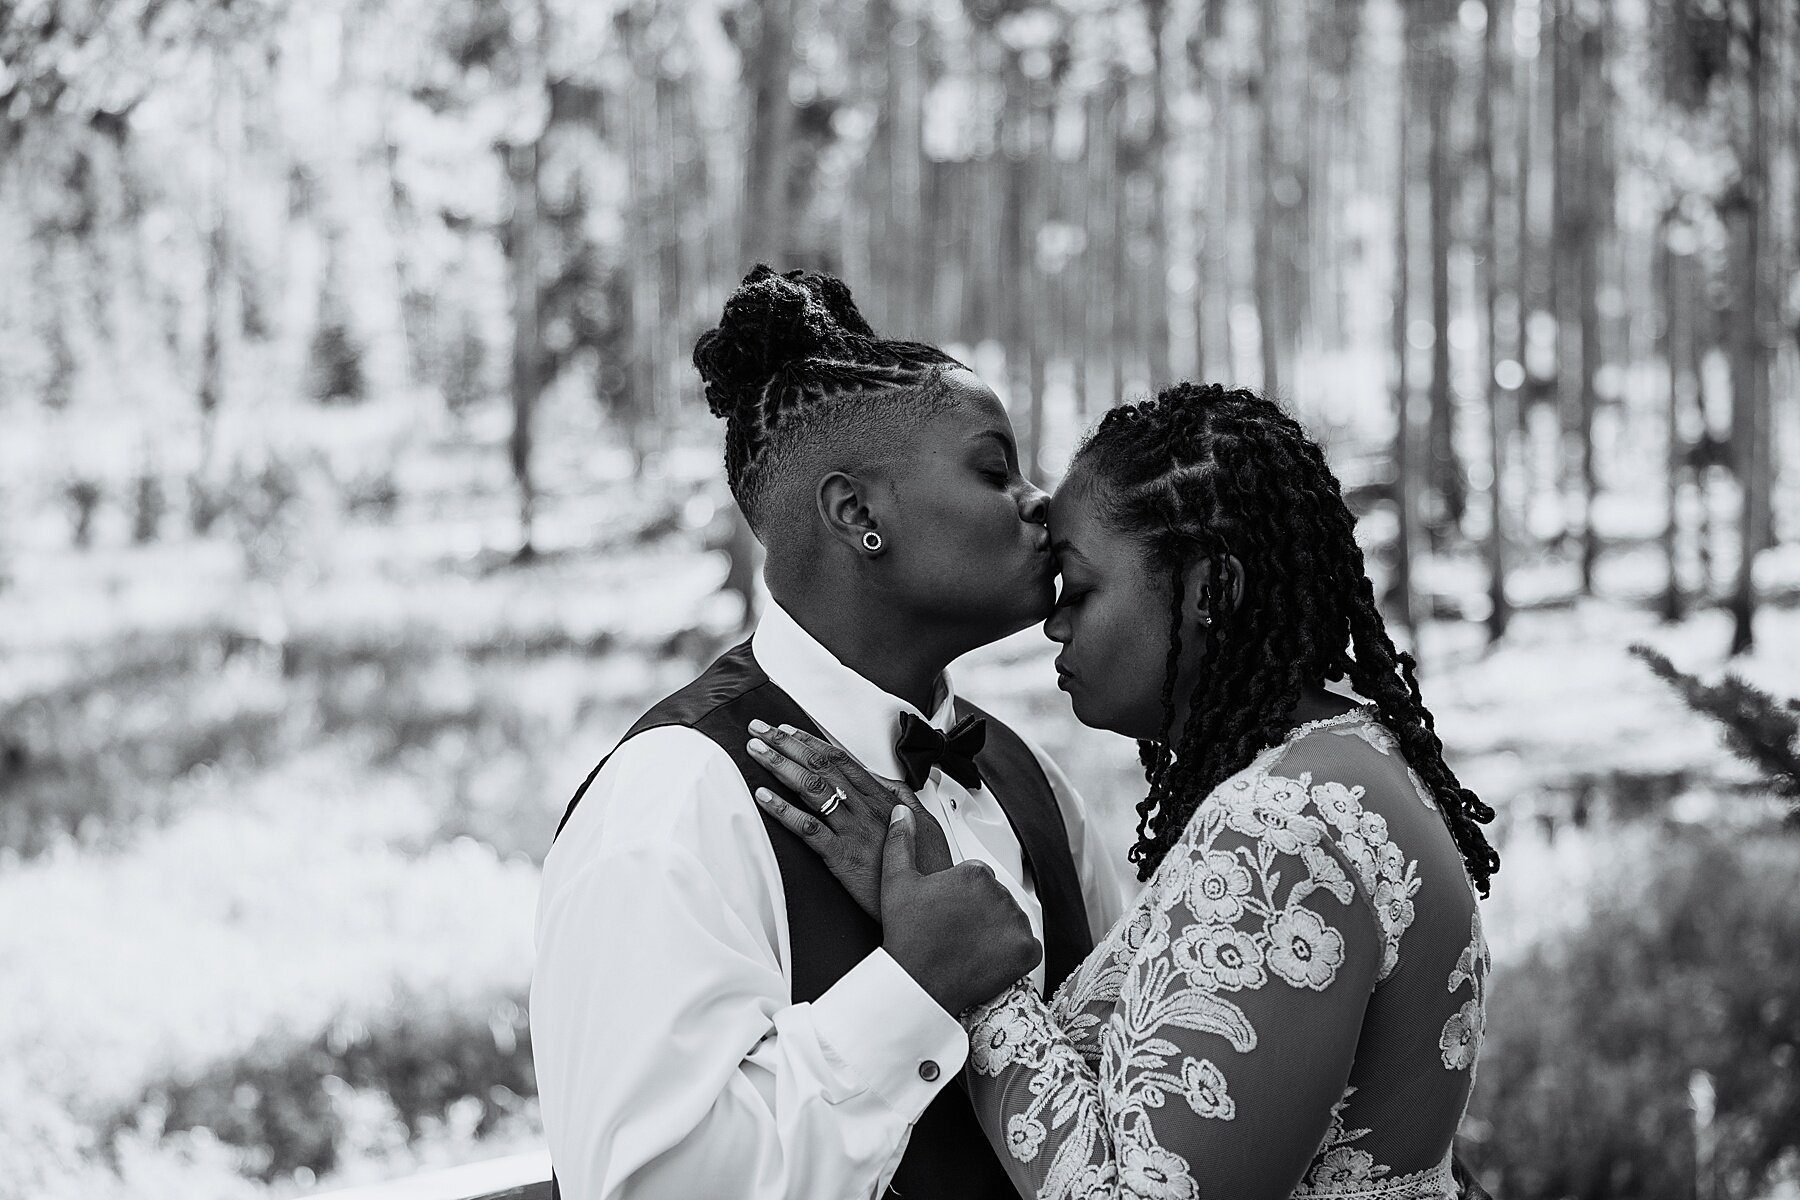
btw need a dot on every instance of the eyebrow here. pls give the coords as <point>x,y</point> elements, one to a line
<point>1064,549</point>
<point>1006,443</point>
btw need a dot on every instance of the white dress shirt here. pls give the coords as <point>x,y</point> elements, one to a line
<point>670,1059</point>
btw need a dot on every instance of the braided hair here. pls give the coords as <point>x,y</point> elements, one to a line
<point>1202,472</point>
<point>791,354</point>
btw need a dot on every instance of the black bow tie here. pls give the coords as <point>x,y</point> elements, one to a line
<point>921,747</point>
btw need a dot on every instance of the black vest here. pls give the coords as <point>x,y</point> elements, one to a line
<point>948,1156</point>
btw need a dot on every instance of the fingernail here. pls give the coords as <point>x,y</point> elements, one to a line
<point>758,726</point>
<point>764,795</point>
<point>758,746</point>
<point>898,815</point>
<point>789,729</point>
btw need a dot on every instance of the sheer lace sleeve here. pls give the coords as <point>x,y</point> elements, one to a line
<point>1242,982</point>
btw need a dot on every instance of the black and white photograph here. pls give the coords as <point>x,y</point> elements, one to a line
<point>900,600</point>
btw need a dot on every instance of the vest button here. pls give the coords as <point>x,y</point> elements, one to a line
<point>928,1071</point>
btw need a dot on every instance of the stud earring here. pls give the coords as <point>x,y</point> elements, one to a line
<point>872,542</point>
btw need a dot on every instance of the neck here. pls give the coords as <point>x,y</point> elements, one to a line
<point>900,660</point>
<point>1315,704</point>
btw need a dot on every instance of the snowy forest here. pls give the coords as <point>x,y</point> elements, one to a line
<point>356,494</point>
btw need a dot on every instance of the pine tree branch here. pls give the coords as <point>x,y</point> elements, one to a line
<point>1758,727</point>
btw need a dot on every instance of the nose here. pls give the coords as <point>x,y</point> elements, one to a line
<point>1057,627</point>
<point>1034,504</point>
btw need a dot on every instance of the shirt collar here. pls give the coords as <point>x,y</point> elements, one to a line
<point>853,712</point>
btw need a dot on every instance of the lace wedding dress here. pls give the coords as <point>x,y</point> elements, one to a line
<point>1293,1006</point>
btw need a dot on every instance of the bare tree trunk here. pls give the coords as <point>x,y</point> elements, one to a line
<point>1400,596</point>
<point>1789,71</point>
<point>1119,243</point>
<point>1525,116</point>
<point>1204,234</point>
<point>1590,224</point>
<point>872,204</point>
<point>1670,606</point>
<point>1073,327</point>
<point>1016,231</point>
<point>417,304</point>
<point>1156,284</point>
<point>765,218</point>
<point>771,126</point>
<point>1444,473</point>
<point>522,246</point>
<point>671,361</point>
<point>1198,82</point>
<point>1707,341</point>
<point>1071,321</point>
<point>213,351</point>
<point>1564,104</point>
<point>1216,263</point>
<point>1097,263</point>
<point>1499,611</point>
<point>911,265</point>
<point>1750,375</point>
<point>649,197</point>
<point>212,345</point>
<point>1267,320</point>
<point>1037,300</point>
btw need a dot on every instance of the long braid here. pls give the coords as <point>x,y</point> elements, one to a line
<point>1403,711</point>
<point>1155,754</point>
<point>1203,472</point>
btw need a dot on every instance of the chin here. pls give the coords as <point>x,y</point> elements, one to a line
<point>1083,706</point>
<point>1096,715</point>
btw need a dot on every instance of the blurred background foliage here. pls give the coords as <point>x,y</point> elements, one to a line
<point>355,494</point>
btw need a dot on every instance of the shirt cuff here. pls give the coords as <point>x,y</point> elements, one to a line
<point>883,1029</point>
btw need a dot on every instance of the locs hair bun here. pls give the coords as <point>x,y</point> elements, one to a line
<point>770,322</point>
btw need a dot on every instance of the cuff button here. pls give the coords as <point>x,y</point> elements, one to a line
<point>928,1071</point>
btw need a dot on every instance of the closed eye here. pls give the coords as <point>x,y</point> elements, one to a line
<point>994,457</point>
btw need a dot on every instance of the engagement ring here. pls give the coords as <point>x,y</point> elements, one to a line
<point>836,798</point>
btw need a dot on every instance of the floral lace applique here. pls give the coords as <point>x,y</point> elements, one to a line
<point>1387,878</point>
<point>1378,736</point>
<point>1241,924</point>
<point>1372,732</point>
<point>1460,1042</point>
<point>1339,1166</point>
<point>1341,1171</point>
<point>1087,1079</point>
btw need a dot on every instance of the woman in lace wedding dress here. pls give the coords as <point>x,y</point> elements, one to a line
<point>1294,1003</point>
<point>1293,1006</point>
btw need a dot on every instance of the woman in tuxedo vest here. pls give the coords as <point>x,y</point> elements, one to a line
<point>1294,1003</point>
<point>713,1012</point>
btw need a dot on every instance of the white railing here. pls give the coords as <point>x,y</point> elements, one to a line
<point>519,1177</point>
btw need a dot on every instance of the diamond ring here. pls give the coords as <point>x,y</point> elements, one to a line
<point>836,798</point>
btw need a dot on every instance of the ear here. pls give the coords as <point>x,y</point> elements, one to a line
<point>1204,579</point>
<point>843,503</point>
<point>1233,583</point>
